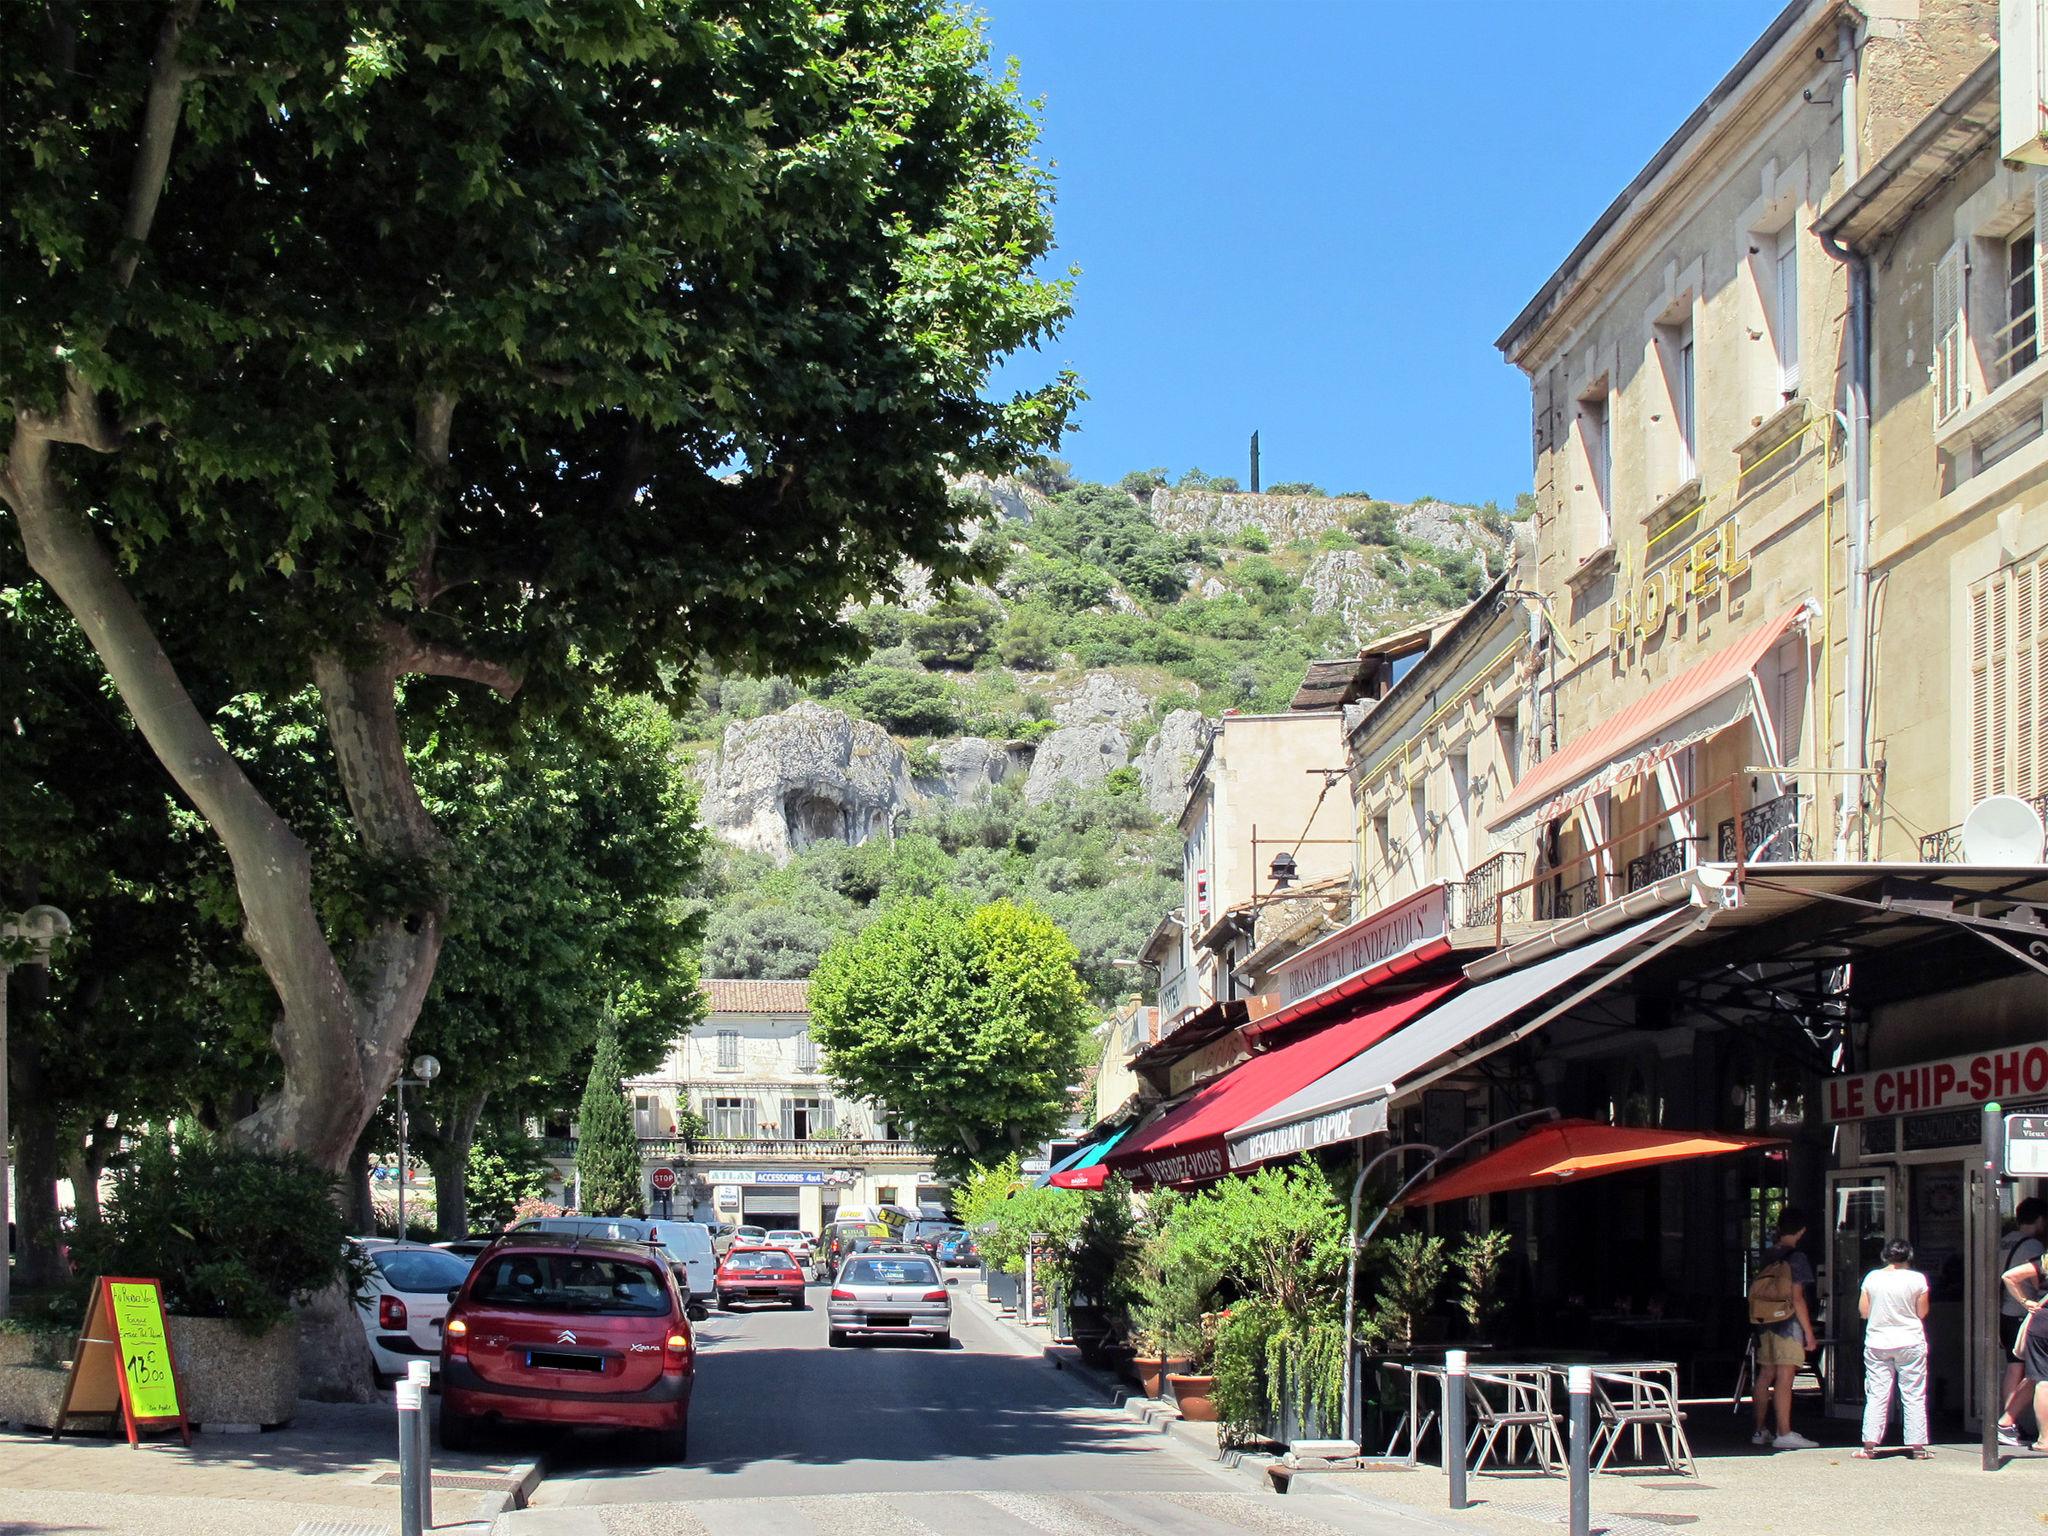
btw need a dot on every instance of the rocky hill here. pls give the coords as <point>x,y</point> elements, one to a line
<point>1034,737</point>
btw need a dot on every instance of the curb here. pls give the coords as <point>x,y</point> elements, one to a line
<point>490,1512</point>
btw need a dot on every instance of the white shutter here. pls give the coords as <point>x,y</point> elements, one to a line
<point>2040,254</point>
<point>1980,697</point>
<point>1948,334</point>
<point>2000,725</point>
<point>1786,308</point>
<point>2026,593</point>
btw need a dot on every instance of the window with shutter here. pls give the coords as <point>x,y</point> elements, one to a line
<point>2000,724</point>
<point>2024,592</point>
<point>1785,309</point>
<point>1980,693</point>
<point>2037,650</point>
<point>1948,334</point>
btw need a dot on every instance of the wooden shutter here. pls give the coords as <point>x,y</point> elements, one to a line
<point>2040,253</point>
<point>1980,693</point>
<point>2000,724</point>
<point>2026,594</point>
<point>1948,334</point>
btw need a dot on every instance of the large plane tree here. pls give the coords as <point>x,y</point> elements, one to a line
<point>473,353</point>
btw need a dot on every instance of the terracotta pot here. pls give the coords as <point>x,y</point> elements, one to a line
<point>1154,1369</point>
<point>1195,1396</point>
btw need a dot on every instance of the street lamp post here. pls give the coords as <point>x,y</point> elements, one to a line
<point>25,939</point>
<point>426,1068</point>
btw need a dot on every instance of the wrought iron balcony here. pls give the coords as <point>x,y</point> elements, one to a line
<point>1479,894</point>
<point>1555,901</point>
<point>1946,846</point>
<point>1770,833</point>
<point>1661,862</point>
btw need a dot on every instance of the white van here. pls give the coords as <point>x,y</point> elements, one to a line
<point>687,1245</point>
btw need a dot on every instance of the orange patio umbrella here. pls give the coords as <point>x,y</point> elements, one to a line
<point>1567,1151</point>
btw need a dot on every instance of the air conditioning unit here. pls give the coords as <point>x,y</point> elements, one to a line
<point>2023,80</point>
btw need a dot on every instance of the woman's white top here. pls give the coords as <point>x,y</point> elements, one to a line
<point>1894,1308</point>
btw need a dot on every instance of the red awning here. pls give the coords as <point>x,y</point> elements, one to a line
<point>1185,1145</point>
<point>1641,736</point>
<point>1568,1151</point>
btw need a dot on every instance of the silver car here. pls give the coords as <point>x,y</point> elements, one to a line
<point>889,1295</point>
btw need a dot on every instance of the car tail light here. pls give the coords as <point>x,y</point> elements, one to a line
<point>677,1349</point>
<point>390,1312</point>
<point>839,1295</point>
<point>935,1296</point>
<point>455,1334</point>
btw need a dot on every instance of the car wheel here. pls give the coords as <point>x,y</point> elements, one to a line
<point>460,1431</point>
<point>942,1341</point>
<point>668,1446</point>
<point>798,1304</point>
<point>835,1338</point>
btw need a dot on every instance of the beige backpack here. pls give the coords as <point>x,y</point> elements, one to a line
<point>1770,1294</point>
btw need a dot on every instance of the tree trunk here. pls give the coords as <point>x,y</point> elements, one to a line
<point>355,1190</point>
<point>451,1169</point>
<point>37,1164</point>
<point>88,1162</point>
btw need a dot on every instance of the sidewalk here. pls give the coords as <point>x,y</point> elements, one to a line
<point>332,1472</point>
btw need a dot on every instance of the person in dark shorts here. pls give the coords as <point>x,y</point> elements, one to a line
<point>1782,1346</point>
<point>2026,1283</point>
<point>2018,1248</point>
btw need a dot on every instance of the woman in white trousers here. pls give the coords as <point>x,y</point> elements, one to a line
<point>1894,1308</point>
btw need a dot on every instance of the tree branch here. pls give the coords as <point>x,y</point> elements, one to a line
<point>159,131</point>
<point>412,656</point>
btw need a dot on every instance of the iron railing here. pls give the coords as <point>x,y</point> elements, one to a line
<point>1479,894</point>
<point>1946,846</point>
<point>1560,900</point>
<point>1771,833</point>
<point>1661,862</point>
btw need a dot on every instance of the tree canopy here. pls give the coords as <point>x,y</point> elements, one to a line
<point>967,1021</point>
<point>407,352</point>
<point>607,1152</point>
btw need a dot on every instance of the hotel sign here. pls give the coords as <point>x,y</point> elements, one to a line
<point>1371,941</point>
<point>1957,1083</point>
<point>1710,562</point>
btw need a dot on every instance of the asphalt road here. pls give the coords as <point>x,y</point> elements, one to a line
<point>895,1439</point>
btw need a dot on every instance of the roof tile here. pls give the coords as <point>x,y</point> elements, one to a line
<point>734,996</point>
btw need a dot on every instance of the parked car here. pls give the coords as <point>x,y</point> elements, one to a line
<point>797,1245</point>
<point>882,1245</point>
<point>760,1274</point>
<point>404,1301</point>
<point>567,1329</point>
<point>741,1237</point>
<point>881,1294</point>
<point>467,1247</point>
<point>686,1243</point>
<point>957,1249</point>
<point>926,1231</point>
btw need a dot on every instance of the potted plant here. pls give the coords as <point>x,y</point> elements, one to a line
<point>237,1239</point>
<point>1173,1290</point>
<point>1096,1267</point>
<point>1413,1270</point>
<point>1478,1262</point>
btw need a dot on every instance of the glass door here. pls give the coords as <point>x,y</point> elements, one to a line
<point>1859,1221</point>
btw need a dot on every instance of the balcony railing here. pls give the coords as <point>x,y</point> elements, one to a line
<point>1946,846</point>
<point>1770,833</point>
<point>715,1148</point>
<point>1479,894</point>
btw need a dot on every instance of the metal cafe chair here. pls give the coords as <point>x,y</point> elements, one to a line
<point>1506,1402</point>
<point>1629,1400</point>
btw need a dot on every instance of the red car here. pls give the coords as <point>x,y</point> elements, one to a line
<point>557,1328</point>
<point>760,1274</point>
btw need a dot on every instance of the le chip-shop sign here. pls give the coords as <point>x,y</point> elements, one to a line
<point>1955,1083</point>
<point>1371,941</point>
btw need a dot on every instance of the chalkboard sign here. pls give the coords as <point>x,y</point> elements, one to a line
<point>123,1361</point>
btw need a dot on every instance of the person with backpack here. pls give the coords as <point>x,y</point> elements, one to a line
<point>1894,1306</point>
<point>2025,1283</point>
<point>2017,1250</point>
<point>1783,1319</point>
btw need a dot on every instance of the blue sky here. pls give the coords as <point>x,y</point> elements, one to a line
<point>1313,217</point>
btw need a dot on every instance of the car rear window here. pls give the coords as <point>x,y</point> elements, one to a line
<point>788,1237</point>
<point>570,1282</point>
<point>760,1260</point>
<point>879,1271</point>
<point>413,1271</point>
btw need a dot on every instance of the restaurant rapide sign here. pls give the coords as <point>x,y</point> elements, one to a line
<point>1956,1083</point>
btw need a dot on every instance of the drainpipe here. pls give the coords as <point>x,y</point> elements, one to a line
<point>1856,631</point>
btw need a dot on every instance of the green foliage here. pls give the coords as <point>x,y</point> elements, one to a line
<point>231,1233</point>
<point>1174,1286</point>
<point>1275,1234</point>
<point>1412,1272</point>
<point>1047,474</point>
<point>1101,527</point>
<point>904,700</point>
<point>965,1019</point>
<point>607,1151</point>
<point>1195,480</point>
<point>1243,1338</point>
<point>1296,488</point>
<point>1253,538</point>
<point>1141,483</point>
<point>1477,1261</point>
<point>1378,523</point>
<point>1029,640</point>
<point>505,1167</point>
<point>954,633</point>
<point>1099,1268</point>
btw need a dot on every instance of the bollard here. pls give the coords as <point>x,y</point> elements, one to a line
<point>1579,1387</point>
<point>421,1375</point>
<point>1454,1425</point>
<point>408,1459</point>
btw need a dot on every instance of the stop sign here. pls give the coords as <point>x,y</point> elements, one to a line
<point>664,1179</point>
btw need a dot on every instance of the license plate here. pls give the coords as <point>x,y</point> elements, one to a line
<point>551,1360</point>
<point>888,1320</point>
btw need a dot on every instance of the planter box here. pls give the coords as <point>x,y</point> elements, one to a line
<point>1004,1288</point>
<point>1195,1397</point>
<point>228,1377</point>
<point>31,1394</point>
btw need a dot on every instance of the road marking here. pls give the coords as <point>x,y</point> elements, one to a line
<point>1056,1516</point>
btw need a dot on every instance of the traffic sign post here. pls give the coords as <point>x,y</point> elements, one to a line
<point>1997,1131</point>
<point>664,1179</point>
<point>2026,1146</point>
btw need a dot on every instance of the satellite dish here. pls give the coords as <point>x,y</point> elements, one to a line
<point>2002,830</point>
